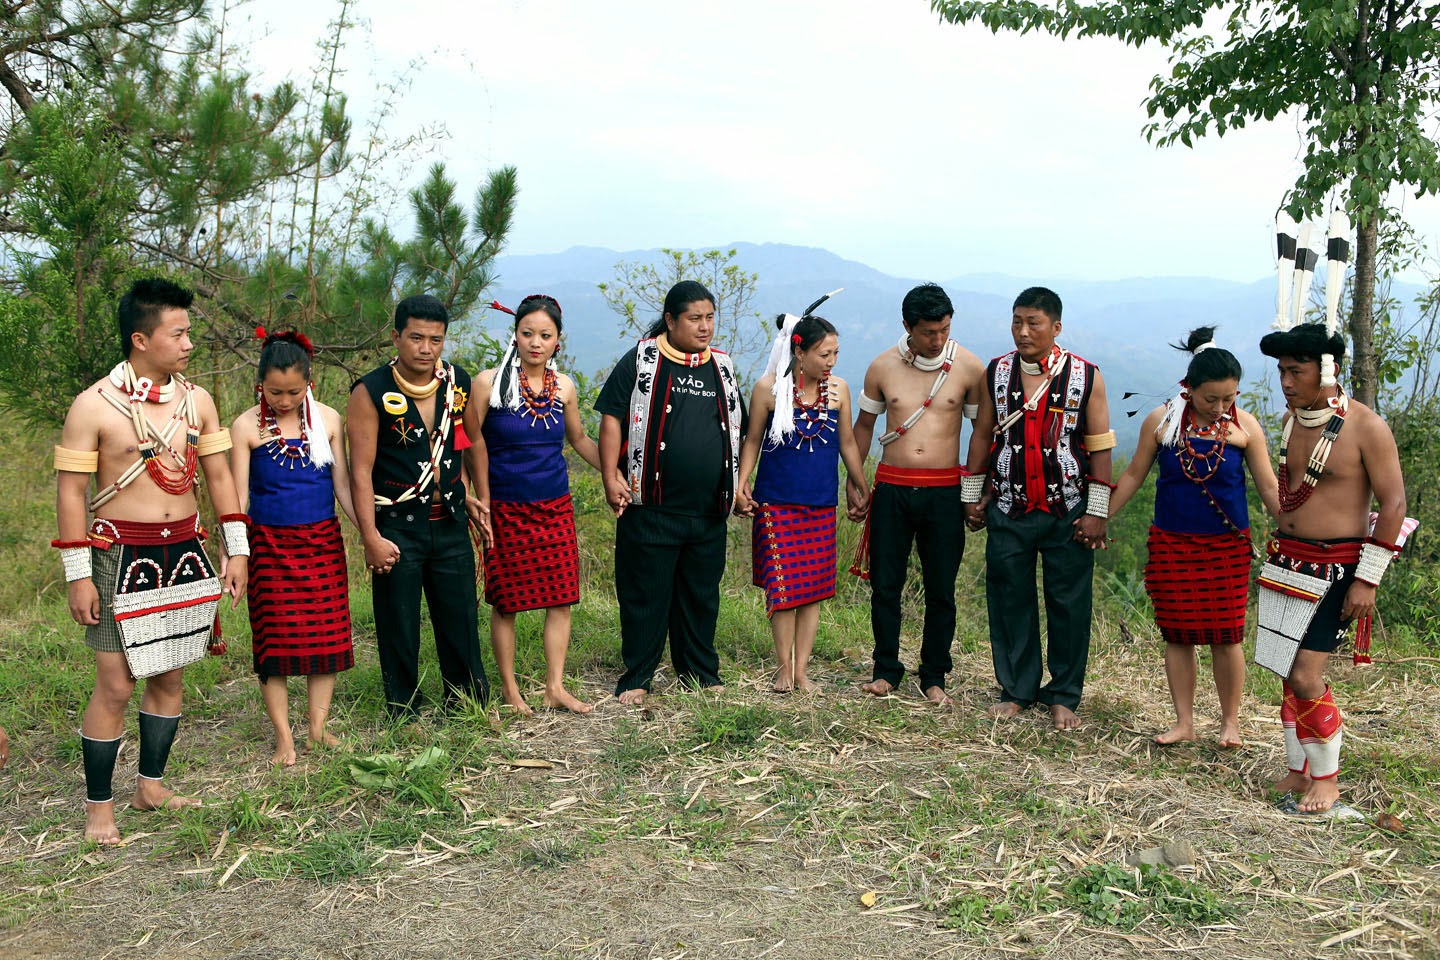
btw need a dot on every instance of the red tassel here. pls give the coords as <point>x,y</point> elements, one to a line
<point>1362,642</point>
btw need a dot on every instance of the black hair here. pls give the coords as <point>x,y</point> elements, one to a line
<point>421,306</point>
<point>539,302</point>
<point>1044,299</point>
<point>142,304</point>
<point>680,296</point>
<point>282,351</point>
<point>808,332</point>
<point>1210,364</point>
<point>1304,341</point>
<point>925,303</point>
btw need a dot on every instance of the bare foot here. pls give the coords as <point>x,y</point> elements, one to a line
<point>878,688</point>
<point>150,795</point>
<point>1063,717</point>
<point>1292,782</point>
<point>1229,738</point>
<point>936,694</point>
<point>784,682</point>
<point>326,740</point>
<point>1004,710</point>
<point>633,697</point>
<point>805,685</point>
<point>100,823</point>
<point>1180,733</point>
<point>1320,797</point>
<point>284,755</point>
<point>517,702</point>
<point>561,699</point>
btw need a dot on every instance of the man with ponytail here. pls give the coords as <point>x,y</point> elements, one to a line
<point>924,386</point>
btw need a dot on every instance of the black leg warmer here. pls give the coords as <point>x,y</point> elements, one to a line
<point>157,734</point>
<point>99,757</point>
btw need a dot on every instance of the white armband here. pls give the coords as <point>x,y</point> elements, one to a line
<point>1375,557</point>
<point>76,561</point>
<point>233,529</point>
<point>972,487</point>
<point>1097,499</point>
<point>876,407</point>
<point>971,411</point>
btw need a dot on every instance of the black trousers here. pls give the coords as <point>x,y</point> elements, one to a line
<point>436,558</point>
<point>1010,551</point>
<point>933,519</point>
<point>667,579</point>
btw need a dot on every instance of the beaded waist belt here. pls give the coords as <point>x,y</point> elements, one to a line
<point>103,532</point>
<point>919,476</point>
<point>1344,550</point>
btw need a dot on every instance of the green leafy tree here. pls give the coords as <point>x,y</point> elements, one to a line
<point>638,291</point>
<point>1360,77</point>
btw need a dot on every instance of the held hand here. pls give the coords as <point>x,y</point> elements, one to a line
<point>479,513</point>
<point>381,554</point>
<point>617,493</point>
<point>857,501</point>
<point>235,571</point>
<point>975,516</point>
<point>1359,601</point>
<point>84,602</point>
<point>1090,531</point>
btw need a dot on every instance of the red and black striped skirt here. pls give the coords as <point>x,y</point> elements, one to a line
<point>1198,584</point>
<point>534,561</point>
<point>299,600</point>
<point>792,553</point>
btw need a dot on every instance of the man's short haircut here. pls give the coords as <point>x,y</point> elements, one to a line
<point>925,303</point>
<point>142,304</point>
<point>1305,342</point>
<point>1044,299</point>
<point>421,306</point>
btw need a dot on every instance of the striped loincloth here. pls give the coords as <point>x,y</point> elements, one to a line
<point>299,599</point>
<point>533,562</point>
<point>1198,584</point>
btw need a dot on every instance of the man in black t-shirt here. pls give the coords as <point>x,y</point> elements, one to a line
<point>671,421</point>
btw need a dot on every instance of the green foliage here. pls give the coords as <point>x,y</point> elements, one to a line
<point>420,780</point>
<point>728,725</point>
<point>637,295</point>
<point>1124,897</point>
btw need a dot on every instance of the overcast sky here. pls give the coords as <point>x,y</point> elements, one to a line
<point>865,127</point>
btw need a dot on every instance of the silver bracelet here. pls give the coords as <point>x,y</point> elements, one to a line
<point>77,563</point>
<point>972,487</point>
<point>1097,501</point>
<point>1374,559</point>
<point>237,542</point>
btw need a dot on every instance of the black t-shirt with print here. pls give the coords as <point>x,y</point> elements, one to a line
<point>693,438</point>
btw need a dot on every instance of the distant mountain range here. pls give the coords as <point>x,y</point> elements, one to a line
<point>1125,326</point>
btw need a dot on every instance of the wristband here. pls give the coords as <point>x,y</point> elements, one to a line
<point>233,529</point>
<point>75,557</point>
<point>876,407</point>
<point>972,487</point>
<point>1375,557</point>
<point>1097,499</point>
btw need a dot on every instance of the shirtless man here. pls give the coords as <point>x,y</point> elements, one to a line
<point>923,386</point>
<point>145,520</point>
<point>1040,480</point>
<point>1324,532</point>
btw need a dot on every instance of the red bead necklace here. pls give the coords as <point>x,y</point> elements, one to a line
<point>543,406</point>
<point>280,450</point>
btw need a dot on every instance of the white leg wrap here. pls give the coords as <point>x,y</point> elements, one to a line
<point>1323,755</point>
<point>1295,758</point>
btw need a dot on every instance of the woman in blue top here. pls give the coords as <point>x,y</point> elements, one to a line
<point>527,411</point>
<point>289,465</point>
<point>1198,574</point>
<point>806,412</point>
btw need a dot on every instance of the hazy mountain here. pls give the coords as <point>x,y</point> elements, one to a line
<point>1125,326</point>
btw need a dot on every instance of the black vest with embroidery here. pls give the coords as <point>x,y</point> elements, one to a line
<point>1064,460</point>
<point>403,447</point>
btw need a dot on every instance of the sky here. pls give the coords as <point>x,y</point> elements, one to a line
<point>865,127</point>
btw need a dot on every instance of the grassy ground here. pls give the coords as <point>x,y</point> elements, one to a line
<point>740,825</point>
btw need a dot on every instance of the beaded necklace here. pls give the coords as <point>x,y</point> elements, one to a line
<point>1291,500</point>
<point>814,420</point>
<point>545,406</point>
<point>280,449</point>
<point>175,477</point>
<point>1188,456</point>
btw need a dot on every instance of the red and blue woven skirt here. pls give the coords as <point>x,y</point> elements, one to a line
<point>1198,584</point>
<point>299,600</point>
<point>534,561</point>
<point>793,555</point>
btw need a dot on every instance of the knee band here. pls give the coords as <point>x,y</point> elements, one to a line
<point>157,735</point>
<point>1295,760</point>
<point>99,759</point>
<point>1317,725</point>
